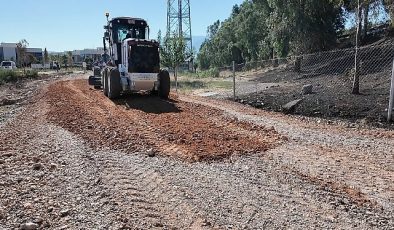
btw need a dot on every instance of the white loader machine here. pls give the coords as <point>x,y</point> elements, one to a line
<point>131,61</point>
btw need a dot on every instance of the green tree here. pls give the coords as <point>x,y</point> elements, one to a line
<point>213,29</point>
<point>389,5</point>
<point>88,60</point>
<point>263,29</point>
<point>64,60</point>
<point>366,8</point>
<point>159,36</point>
<point>31,59</point>
<point>46,56</point>
<point>21,52</point>
<point>173,53</point>
<point>195,66</point>
<point>238,38</point>
<point>303,26</point>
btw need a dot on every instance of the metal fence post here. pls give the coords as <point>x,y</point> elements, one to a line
<point>234,80</point>
<point>356,80</point>
<point>391,102</point>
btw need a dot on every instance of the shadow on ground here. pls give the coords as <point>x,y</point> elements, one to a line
<point>148,104</point>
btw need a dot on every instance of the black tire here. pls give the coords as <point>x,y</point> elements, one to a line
<point>97,87</point>
<point>165,84</point>
<point>105,81</point>
<point>154,93</point>
<point>96,71</point>
<point>114,86</point>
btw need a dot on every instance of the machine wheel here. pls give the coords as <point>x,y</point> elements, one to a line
<point>96,71</point>
<point>114,86</point>
<point>97,87</point>
<point>105,82</point>
<point>165,84</point>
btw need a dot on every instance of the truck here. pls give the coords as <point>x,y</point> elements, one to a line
<point>131,61</point>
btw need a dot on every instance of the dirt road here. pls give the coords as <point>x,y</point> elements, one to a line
<point>73,159</point>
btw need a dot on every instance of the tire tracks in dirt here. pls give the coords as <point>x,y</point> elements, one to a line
<point>115,185</point>
<point>146,123</point>
<point>84,184</point>
<point>357,163</point>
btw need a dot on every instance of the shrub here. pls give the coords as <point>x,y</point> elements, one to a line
<point>212,72</point>
<point>8,76</point>
<point>31,74</point>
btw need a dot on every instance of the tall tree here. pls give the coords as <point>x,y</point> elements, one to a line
<point>262,29</point>
<point>173,53</point>
<point>46,56</point>
<point>301,26</point>
<point>159,36</point>
<point>389,5</point>
<point>64,60</point>
<point>31,59</point>
<point>21,48</point>
<point>213,29</point>
<point>370,9</point>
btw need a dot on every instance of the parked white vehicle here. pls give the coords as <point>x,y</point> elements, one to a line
<point>8,65</point>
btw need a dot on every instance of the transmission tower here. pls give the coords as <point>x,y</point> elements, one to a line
<point>179,22</point>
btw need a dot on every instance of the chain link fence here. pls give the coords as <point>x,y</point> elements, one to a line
<point>320,84</point>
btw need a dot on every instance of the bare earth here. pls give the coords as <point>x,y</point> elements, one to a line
<point>72,159</point>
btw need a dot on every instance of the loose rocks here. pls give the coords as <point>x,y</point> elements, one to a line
<point>307,89</point>
<point>291,106</point>
<point>29,226</point>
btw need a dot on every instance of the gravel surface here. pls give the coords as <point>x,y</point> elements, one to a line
<point>299,173</point>
<point>14,96</point>
<point>139,123</point>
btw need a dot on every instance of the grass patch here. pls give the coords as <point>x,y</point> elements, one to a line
<point>31,74</point>
<point>187,84</point>
<point>10,76</point>
<point>210,73</point>
<point>220,84</point>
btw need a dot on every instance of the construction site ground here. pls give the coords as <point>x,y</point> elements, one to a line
<point>70,158</point>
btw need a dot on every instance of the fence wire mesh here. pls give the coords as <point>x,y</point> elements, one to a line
<point>271,84</point>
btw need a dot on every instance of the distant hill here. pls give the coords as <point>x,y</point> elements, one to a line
<point>197,42</point>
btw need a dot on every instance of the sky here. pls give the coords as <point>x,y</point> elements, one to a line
<point>62,25</point>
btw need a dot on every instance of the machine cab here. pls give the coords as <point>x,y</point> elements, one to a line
<point>125,27</point>
<point>122,28</point>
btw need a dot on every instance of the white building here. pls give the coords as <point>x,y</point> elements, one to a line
<point>8,52</point>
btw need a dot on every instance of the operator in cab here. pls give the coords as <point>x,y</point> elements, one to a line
<point>131,34</point>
